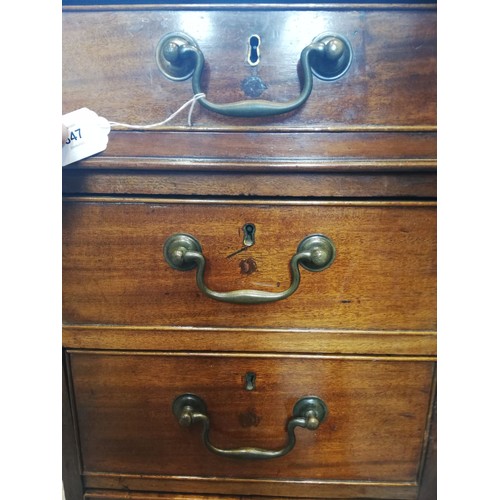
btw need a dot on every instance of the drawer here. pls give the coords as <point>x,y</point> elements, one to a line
<point>372,434</point>
<point>382,278</point>
<point>393,64</point>
<point>393,68</point>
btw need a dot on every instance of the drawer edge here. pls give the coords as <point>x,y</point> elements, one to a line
<point>419,343</point>
<point>299,489</point>
<point>249,6</point>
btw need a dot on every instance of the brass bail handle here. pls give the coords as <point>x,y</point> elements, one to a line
<point>308,412</point>
<point>328,57</point>
<point>183,252</point>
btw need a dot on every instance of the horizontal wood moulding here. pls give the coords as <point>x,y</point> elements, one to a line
<point>284,5</point>
<point>290,490</point>
<point>162,163</point>
<point>131,495</point>
<point>232,201</point>
<point>109,66</point>
<point>233,151</point>
<point>316,185</point>
<point>241,356</point>
<point>383,277</point>
<point>306,341</point>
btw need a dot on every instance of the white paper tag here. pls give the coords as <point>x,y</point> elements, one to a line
<point>88,135</point>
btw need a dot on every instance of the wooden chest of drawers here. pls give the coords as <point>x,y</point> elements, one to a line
<point>249,301</point>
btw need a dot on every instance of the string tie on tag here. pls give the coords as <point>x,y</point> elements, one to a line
<point>191,102</point>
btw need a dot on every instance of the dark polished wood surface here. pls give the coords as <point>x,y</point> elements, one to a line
<point>356,162</point>
<point>374,430</point>
<point>132,182</point>
<point>71,466</point>
<point>393,68</point>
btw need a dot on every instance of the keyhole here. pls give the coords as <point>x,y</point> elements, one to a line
<point>249,237</point>
<point>253,50</point>
<point>250,378</point>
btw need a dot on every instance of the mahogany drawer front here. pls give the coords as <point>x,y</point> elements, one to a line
<point>393,65</point>
<point>383,276</point>
<point>355,162</point>
<point>374,429</point>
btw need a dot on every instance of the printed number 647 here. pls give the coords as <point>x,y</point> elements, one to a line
<point>73,136</point>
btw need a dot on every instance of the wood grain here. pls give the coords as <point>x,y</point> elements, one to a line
<point>71,468</point>
<point>308,340</point>
<point>385,492</point>
<point>285,489</point>
<point>116,495</point>
<point>376,424</point>
<point>414,185</point>
<point>307,151</point>
<point>428,481</point>
<point>109,65</point>
<point>308,490</point>
<point>357,162</point>
<point>383,276</point>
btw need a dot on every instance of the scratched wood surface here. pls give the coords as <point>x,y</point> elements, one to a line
<point>374,429</point>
